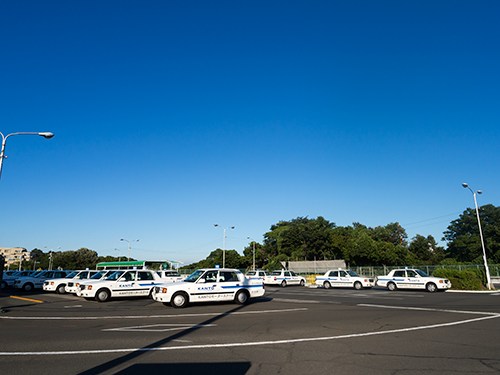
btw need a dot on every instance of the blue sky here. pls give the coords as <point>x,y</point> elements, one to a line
<point>172,116</point>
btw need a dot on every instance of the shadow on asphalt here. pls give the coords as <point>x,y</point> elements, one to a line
<point>233,368</point>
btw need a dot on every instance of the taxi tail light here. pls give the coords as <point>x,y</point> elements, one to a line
<point>274,278</point>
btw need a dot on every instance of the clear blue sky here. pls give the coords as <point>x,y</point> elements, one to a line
<point>172,116</point>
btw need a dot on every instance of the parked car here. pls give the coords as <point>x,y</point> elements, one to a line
<point>122,283</point>
<point>284,278</point>
<point>73,287</point>
<point>257,274</point>
<point>412,279</point>
<point>344,278</point>
<point>36,282</point>
<point>10,278</point>
<point>59,285</point>
<point>169,276</point>
<point>210,284</point>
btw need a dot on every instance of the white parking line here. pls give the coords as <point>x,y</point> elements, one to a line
<point>145,316</point>
<point>427,309</point>
<point>246,344</point>
<point>159,327</point>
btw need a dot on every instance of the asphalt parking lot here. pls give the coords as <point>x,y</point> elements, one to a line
<point>293,330</point>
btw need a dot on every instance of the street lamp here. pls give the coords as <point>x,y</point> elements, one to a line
<point>119,254</point>
<point>50,258</point>
<point>46,135</point>
<point>253,241</point>
<point>223,245</point>
<point>122,239</point>
<point>488,279</point>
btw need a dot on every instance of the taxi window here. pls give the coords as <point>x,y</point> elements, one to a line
<point>411,273</point>
<point>129,276</point>
<point>145,276</point>
<point>287,273</point>
<point>83,275</point>
<point>293,273</point>
<point>228,276</point>
<point>342,274</point>
<point>59,275</point>
<point>334,273</point>
<point>399,274</point>
<point>211,276</point>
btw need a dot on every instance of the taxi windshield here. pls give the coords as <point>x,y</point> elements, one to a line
<point>71,275</point>
<point>352,273</point>
<point>115,275</point>
<point>194,276</point>
<point>98,275</point>
<point>421,273</point>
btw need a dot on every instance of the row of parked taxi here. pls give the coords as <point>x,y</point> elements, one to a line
<point>211,284</point>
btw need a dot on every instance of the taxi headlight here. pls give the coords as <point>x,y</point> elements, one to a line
<point>440,281</point>
<point>164,290</point>
<point>52,283</point>
<point>89,287</point>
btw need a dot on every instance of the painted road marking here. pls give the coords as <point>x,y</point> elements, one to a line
<point>145,316</point>
<point>160,327</point>
<point>246,344</point>
<point>428,309</point>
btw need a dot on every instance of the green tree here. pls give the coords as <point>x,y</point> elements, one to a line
<point>463,238</point>
<point>426,250</point>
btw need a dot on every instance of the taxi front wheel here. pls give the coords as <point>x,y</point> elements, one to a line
<point>102,295</point>
<point>179,300</point>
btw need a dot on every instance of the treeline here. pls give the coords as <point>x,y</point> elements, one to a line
<point>319,239</point>
<point>68,260</point>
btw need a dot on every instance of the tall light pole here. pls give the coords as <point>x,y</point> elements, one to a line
<point>50,258</point>
<point>129,242</point>
<point>223,245</point>
<point>46,135</point>
<point>488,279</point>
<point>119,254</point>
<point>253,241</point>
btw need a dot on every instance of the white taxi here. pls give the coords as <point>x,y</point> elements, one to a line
<point>124,283</point>
<point>284,278</point>
<point>169,276</point>
<point>59,285</point>
<point>412,279</point>
<point>344,278</point>
<point>257,274</point>
<point>210,284</point>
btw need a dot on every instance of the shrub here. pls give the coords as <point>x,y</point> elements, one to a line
<point>462,280</point>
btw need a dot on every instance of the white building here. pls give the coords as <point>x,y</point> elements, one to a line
<point>14,255</point>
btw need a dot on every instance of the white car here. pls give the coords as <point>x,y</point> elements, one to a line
<point>257,274</point>
<point>122,283</point>
<point>36,282</point>
<point>169,276</point>
<point>10,278</point>
<point>209,284</point>
<point>59,285</point>
<point>344,278</point>
<point>284,278</point>
<point>73,287</point>
<point>412,279</point>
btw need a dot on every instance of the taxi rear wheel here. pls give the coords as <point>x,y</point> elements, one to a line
<point>302,283</point>
<point>179,300</point>
<point>358,285</point>
<point>327,285</point>
<point>392,286</point>
<point>283,284</point>
<point>102,295</point>
<point>241,297</point>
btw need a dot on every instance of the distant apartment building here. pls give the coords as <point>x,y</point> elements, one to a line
<point>14,255</point>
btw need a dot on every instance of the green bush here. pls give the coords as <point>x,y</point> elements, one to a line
<point>462,280</point>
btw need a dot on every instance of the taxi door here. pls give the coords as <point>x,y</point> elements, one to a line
<point>344,279</point>
<point>333,278</point>
<point>414,280</point>
<point>207,287</point>
<point>125,285</point>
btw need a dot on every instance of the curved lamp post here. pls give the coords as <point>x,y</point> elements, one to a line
<point>253,241</point>
<point>129,242</point>
<point>223,245</point>
<point>46,135</point>
<point>488,279</point>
